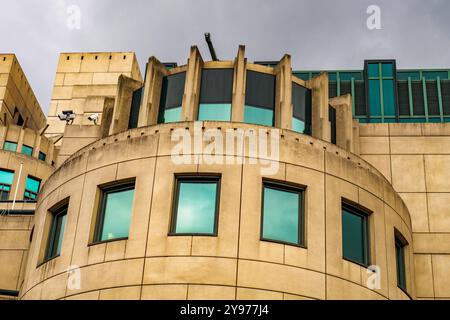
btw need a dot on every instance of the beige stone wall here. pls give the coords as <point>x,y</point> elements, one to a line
<point>235,264</point>
<point>82,80</point>
<point>416,159</point>
<point>15,92</point>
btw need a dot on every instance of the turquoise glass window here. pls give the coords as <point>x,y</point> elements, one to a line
<point>27,150</point>
<point>433,75</point>
<point>258,115</point>
<point>386,69</point>
<point>170,115</point>
<point>115,212</point>
<point>171,98</point>
<point>196,206</point>
<point>374,98</point>
<point>6,180</point>
<point>355,242</point>
<point>400,263</point>
<point>404,75</point>
<point>56,234</point>
<point>31,189</point>
<point>215,112</point>
<point>42,156</point>
<point>298,125</point>
<point>10,146</point>
<point>373,70</point>
<point>389,97</point>
<point>282,214</point>
<point>347,76</point>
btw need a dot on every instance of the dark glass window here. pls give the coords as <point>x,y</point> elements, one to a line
<point>332,119</point>
<point>282,214</point>
<point>114,217</point>
<point>400,261</point>
<point>10,146</point>
<point>216,95</point>
<point>135,106</point>
<point>6,180</point>
<point>42,156</point>
<point>171,98</point>
<point>27,150</point>
<point>31,189</point>
<point>301,102</point>
<point>54,244</point>
<point>355,235</point>
<point>196,205</point>
<point>259,98</point>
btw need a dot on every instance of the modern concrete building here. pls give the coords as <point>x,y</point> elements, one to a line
<point>224,180</point>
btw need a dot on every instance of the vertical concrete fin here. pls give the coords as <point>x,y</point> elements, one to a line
<point>191,94</point>
<point>283,94</point>
<point>238,98</point>
<point>320,119</point>
<point>344,121</point>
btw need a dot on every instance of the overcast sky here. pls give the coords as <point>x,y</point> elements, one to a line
<point>319,34</point>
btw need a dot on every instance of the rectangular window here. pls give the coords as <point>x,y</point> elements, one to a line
<point>301,102</point>
<point>42,156</point>
<point>134,109</point>
<point>355,235</point>
<point>27,150</point>
<point>400,245</point>
<point>114,217</point>
<point>10,146</point>
<point>54,244</point>
<point>31,189</point>
<point>171,98</point>
<point>6,180</point>
<point>332,120</point>
<point>216,95</point>
<point>259,98</point>
<point>196,205</point>
<point>282,214</point>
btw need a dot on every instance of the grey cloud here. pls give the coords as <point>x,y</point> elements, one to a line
<point>318,34</point>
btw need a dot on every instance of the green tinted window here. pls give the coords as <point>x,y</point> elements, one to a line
<point>10,146</point>
<point>282,215</point>
<point>6,180</point>
<point>298,125</point>
<point>388,97</point>
<point>433,75</point>
<point>31,188</point>
<point>258,115</point>
<point>56,234</point>
<point>387,70</point>
<point>374,98</point>
<point>196,206</point>
<point>27,150</point>
<point>115,212</point>
<point>404,75</point>
<point>400,263</point>
<point>373,69</point>
<point>170,115</point>
<point>355,235</point>
<point>42,156</point>
<point>215,112</point>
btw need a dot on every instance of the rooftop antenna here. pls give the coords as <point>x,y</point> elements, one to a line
<point>210,46</point>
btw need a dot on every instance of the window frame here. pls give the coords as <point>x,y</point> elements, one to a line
<point>32,192</point>
<point>10,142</point>
<point>57,211</point>
<point>4,184</point>
<point>360,211</point>
<point>288,187</point>
<point>401,242</point>
<point>26,146</point>
<point>100,218</point>
<point>206,178</point>
<point>42,156</point>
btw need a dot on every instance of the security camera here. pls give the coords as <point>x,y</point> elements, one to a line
<point>67,115</point>
<point>94,117</point>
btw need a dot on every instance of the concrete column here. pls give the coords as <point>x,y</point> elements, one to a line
<point>283,94</point>
<point>320,119</point>
<point>148,114</point>
<point>344,121</point>
<point>122,105</point>
<point>240,72</point>
<point>107,116</point>
<point>192,86</point>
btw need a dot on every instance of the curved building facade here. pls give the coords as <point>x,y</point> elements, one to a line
<point>228,180</point>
